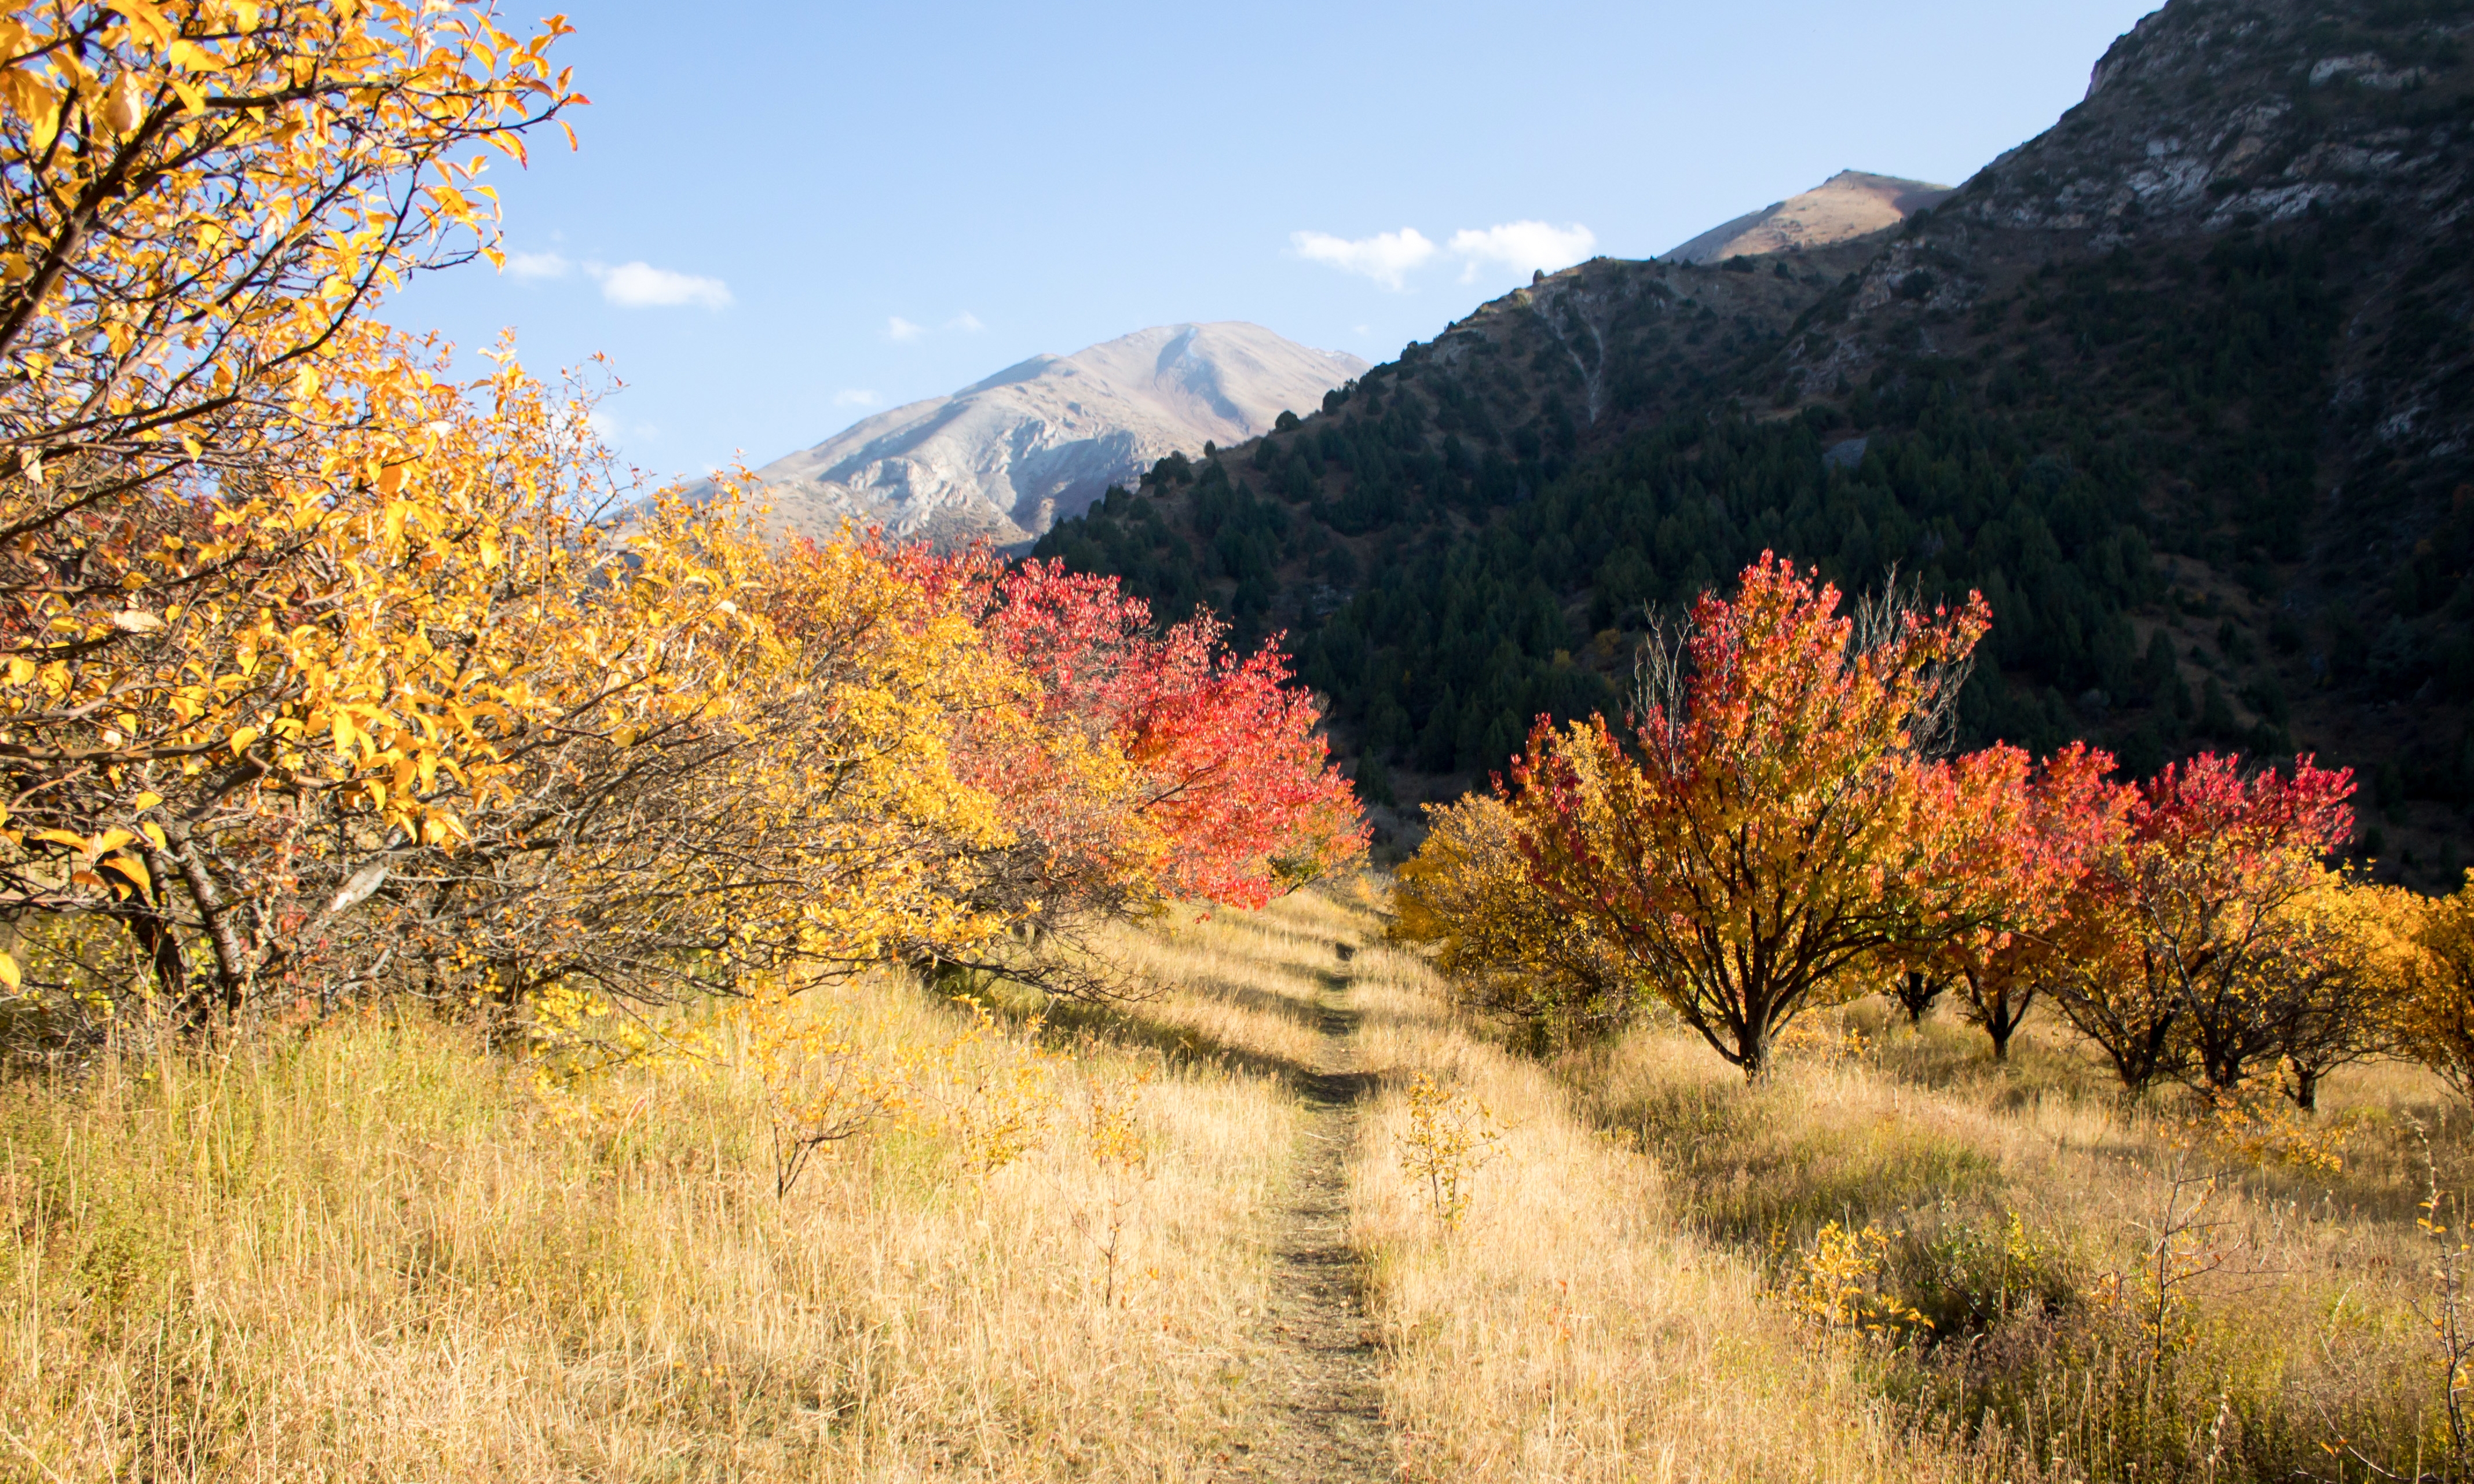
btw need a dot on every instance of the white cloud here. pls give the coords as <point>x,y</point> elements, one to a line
<point>896,328</point>
<point>610,427</point>
<point>1387,257</point>
<point>855,398</point>
<point>1522,244</point>
<point>537,265</point>
<point>641,285</point>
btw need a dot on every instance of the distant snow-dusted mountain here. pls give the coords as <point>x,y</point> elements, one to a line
<point>1007,458</point>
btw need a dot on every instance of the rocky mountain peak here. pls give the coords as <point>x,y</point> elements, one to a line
<point>1005,458</point>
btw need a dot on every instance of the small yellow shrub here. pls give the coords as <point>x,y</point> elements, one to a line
<point>2257,1126</point>
<point>1836,1283</point>
<point>992,1093</point>
<point>1451,1136</point>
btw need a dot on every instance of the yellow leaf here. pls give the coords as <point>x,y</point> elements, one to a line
<point>145,20</point>
<point>134,869</point>
<point>154,832</point>
<point>8,974</point>
<point>191,98</point>
<point>241,739</point>
<point>145,801</point>
<point>41,106</point>
<point>58,837</point>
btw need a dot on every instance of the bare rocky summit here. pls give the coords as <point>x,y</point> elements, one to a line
<point>1004,460</point>
<point>1851,204</point>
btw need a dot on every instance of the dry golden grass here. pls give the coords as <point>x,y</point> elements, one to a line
<point>1240,987</point>
<point>1571,1328</point>
<point>2023,1208</point>
<point>375,1249</point>
<point>376,1252</point>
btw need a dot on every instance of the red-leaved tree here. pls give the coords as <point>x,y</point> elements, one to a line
<point>2176,931</point>
<point>1141,765</point>
<point>2073,814</point>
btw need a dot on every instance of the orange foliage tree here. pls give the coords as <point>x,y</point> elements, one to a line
<point>2072,814</point>
<point>1778,815</point>
<point>1509,950</point>
<point>1146,764</point>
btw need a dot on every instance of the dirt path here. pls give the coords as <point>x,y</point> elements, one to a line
<point>1333,1432</point>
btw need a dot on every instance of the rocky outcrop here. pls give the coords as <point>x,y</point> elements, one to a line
<point>1007,458</point>
<point>2214,122</point>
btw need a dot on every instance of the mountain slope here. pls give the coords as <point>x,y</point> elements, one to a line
<point>2185,385</point>
<point>1005,458</point>
<point>1849,204</point>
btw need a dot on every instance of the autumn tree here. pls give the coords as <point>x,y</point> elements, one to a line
<point>2175,932</point>
<point>1776,815</point>
<point>1145,764</point>
<point>2072,814</point>
<point>199,204</point>
<point>2337,981</point>
<point>2434,1015</point>
<point>732,766</point>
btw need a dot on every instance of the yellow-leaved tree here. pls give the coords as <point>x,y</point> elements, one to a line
<point>2434,1017</point>
<point>1502,944</point>
<point>199,204</point>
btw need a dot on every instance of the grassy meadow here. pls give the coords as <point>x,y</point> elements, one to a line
<point>376,1249</point>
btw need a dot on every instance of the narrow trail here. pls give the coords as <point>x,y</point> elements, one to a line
<point>1334,1431</point>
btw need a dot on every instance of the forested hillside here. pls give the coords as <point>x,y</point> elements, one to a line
<point>2184,386</point>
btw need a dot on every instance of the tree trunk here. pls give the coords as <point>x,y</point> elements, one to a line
<point>1754,1053</point>
<point>231,961</point>
<point>1916,991</point>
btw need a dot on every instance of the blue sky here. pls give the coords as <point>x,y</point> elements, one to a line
<point>783,215</point>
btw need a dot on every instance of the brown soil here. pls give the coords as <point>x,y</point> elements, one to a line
<point>1332,1431</point>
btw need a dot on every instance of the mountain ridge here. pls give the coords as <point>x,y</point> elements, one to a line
<point>1003,458</point>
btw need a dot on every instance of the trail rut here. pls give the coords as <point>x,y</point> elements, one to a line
<point>1332,1429</point>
